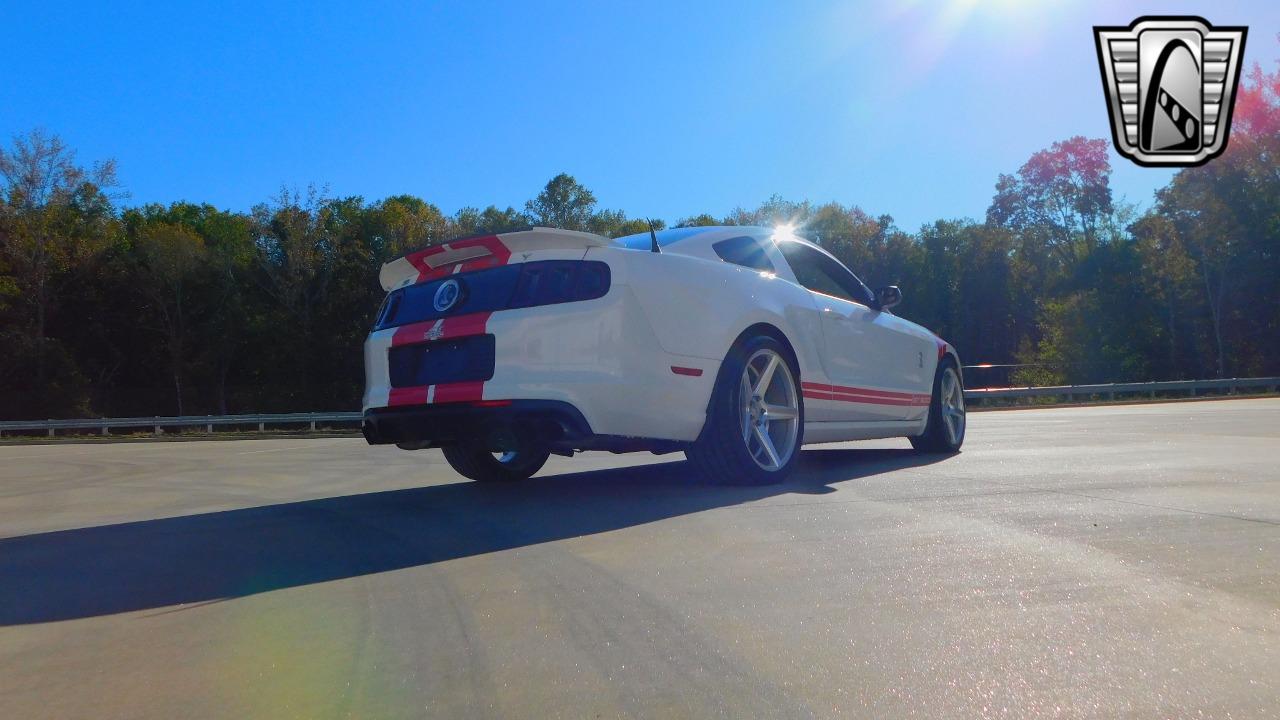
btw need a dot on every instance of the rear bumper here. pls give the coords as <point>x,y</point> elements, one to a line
<point>546,420</point>
<point>599,358</point>
<point>557,425</point>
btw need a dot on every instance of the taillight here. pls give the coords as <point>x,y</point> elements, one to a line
<point>559,281</point>
<point>593,281</point>
<point>387,314</point>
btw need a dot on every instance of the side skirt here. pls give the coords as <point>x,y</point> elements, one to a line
<point>826,432</point>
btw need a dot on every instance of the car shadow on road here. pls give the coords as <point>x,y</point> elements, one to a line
<point>88,572</point>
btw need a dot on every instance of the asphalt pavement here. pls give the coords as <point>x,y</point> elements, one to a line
<point>1076,562</point>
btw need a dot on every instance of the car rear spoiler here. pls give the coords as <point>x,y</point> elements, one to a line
<point>478,252</point>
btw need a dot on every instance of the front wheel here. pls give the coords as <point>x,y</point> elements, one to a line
<point>479,463</point>
<point>944,432</point>
<point>755,421</point>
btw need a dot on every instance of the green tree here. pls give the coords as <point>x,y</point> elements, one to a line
<point>1227,216</point>
<point>1059,199</point>
<point>563,203</point>
<point>171,260</point>
<point>403,223</point>
<point>1169,279</point>
<point>294,254</point>
<point>492,220</point>
<point>703,220</point>
<point>772,212</point>
<point>56,219</point>
<point>614,223</point>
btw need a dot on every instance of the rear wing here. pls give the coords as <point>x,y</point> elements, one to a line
<point>475,253</point>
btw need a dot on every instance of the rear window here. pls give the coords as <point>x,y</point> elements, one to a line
<point>642,241</point>
<point>744,251</point>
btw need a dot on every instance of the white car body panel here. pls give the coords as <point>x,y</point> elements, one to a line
<point>642,360</point>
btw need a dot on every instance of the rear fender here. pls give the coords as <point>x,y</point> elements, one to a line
<point>699,307</point>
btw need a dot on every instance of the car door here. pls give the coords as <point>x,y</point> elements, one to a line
<point>874,366</point>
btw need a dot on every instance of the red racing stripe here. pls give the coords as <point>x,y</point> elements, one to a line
<point>463,325</point>
<point>415,333</point>
<point>419,259</point>
<point>408,396</point>
<point>449,327</point>
<point>441,329</point>
<point>459,392</point>
<point>499,254</point>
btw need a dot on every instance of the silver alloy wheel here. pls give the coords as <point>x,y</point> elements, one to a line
<point>769,409</point>
<point>952,406</point>
<point>505,457</point>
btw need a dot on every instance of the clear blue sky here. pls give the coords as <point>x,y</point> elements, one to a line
<point>667,109</point>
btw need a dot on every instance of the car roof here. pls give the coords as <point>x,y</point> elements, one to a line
<point>698,241</point>
<point>684,240</point>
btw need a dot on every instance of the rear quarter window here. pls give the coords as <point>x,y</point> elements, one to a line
<point>745,251</point>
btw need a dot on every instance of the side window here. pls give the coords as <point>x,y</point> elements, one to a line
<point>744,251</point>
<point>819,273</point>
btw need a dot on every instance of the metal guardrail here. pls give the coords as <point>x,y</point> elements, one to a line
<point>209,422</point>
<point>1111,390</point>
<point>158,424</point>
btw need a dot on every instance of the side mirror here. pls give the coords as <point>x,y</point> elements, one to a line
<point>888,296</point>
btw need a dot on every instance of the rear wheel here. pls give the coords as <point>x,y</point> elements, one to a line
<point>755,422</point>
<point>944,432</point>
<point>479,463</point>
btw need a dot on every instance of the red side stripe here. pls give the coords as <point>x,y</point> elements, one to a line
<point>818,391</point>
<point>864,400</point>
<point>841,389</point>
<point>873,393</point>
<point>822,387</point>
<point>912,396</point>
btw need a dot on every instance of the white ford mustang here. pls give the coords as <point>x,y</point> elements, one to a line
<point>735,345</point>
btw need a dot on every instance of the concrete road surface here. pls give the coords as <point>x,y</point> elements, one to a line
<point>1086,562</point>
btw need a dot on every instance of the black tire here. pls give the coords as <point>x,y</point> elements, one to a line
<point>720,453</point>
<point>937,438</point>
<point>478,463</point>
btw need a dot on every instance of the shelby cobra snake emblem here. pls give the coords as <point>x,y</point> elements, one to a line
<point>447,295</point>
<point>1170,83</point>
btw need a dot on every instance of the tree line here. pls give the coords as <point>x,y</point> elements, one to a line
<point>190,309</point>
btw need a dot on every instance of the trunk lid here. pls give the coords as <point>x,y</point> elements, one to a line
<point>477,253</point>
